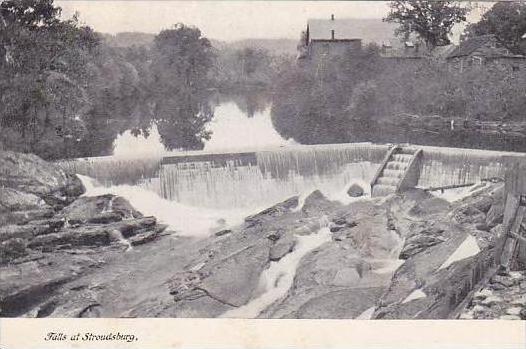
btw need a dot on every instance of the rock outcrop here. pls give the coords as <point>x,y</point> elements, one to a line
<point>446,254</point>
<point>345,270</point>
<point>503,297</point>
<point>409,256</point>
<point>50,235</point>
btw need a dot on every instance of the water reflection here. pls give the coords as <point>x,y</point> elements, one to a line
<point>240,121</point>
<point>128,145</point>
<point>442,136</point>
<point>232,128</point>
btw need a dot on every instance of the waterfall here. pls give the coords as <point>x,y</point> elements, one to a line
<point>111,170</point>
<point>267,177</point>
<point>262,178</point>
<point>447,166</point>
<point>185,220</point>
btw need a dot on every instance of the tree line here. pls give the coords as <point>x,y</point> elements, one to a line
<point>65,92</point>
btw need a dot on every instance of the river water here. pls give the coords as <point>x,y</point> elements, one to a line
<point>236,126</point>
<point>219,192</point>
<point>199,198</point>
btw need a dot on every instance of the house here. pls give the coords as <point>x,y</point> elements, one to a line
<point>407,51</point>
<point>327,38</point>
<point>484,50</point>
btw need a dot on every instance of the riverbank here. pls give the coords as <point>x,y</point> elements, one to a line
<point>408,256</point>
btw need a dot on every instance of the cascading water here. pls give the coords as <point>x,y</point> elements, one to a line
<point>268,177</point>
<point>185,220</point>
<point>449,166</point>
<point>278,278</point>
<point>201,197</point>
<point>111,170</point>
<point>207,189</point>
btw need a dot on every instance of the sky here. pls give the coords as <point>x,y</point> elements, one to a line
<point>223,20</point>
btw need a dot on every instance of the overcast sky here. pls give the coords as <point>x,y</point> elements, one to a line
<point>225,20</point>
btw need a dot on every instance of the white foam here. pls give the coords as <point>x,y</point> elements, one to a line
<point>389,266</point>
<point>340,194</point>
<point>367,314</point>
<point>278,278</point>
<point>128,146</point>
<point>416,294</point>
<point>186,220</point>
<point>468,248</point>
<point>301,201</point>
<point>457,194</point>
<point>336,193</point>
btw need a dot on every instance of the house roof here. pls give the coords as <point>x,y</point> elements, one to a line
<point>369,30</point>
<point>442,52</point>
<point>467,47</point>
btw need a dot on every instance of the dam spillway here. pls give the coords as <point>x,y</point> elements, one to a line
<point>263,177</point>
<point>251,179</point>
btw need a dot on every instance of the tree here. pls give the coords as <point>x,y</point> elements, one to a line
<point>30,13</point>
<point>43,77</point>
<point>506,20</point>
<point>432,21</point>
<point>182,60</point>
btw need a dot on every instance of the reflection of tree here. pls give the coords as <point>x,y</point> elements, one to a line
<point>180,65</point>
<point>250,101</point>
<point>66,93</point>
<point>181,122</point>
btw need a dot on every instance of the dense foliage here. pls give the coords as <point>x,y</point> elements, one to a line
<point>239,68</point>
<point>506,20</point>
<point>432,21</point>
<point>67,91</point>
<point>43,76</point>
<point>367,97</point>
<point>357,98</point>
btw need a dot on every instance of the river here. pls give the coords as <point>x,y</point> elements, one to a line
<point>239,123</point>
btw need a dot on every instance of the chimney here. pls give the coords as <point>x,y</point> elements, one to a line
<point>332,34</point>
<point>332,17</point>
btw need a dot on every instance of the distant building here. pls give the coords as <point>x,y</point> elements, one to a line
<point>326,38</point>
<point>407,51</point>
<point>484,50</point>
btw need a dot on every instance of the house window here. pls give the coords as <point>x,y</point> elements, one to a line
<point>515,68</point>
<point>477,60</point>
<point>325,49</point>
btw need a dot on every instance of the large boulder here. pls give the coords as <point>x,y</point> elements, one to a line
<point>31,188</point>
<point>30,174</point>
<point>355,190</point>
<point>102,209</point>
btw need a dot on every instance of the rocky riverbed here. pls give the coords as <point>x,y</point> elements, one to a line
<point>409,256</point>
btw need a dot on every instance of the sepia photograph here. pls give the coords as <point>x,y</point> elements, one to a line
<point>360,160</point>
